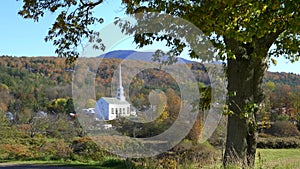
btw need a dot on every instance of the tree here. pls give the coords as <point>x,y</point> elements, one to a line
<point>5,97</point>
<point>60,105</point>
<point>8,132</point>
<point>297,103</point>
<point>205,103</point>
<point>71,25</point>
<point>242,31</point>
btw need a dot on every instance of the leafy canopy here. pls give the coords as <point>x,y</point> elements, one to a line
<point>71,26</point>
<point>259,23</point>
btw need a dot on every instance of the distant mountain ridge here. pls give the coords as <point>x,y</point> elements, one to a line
<point>136,55</point>
<point>279,78</point>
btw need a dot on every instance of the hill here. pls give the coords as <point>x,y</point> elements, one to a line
<point>34,83</point>
<point>135,55</point>
<point>283,78</point>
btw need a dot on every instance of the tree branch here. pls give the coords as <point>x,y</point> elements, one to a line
<point>235,46</point>
<point>91,4</point>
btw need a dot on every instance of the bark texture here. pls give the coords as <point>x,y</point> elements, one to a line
<point>245,75</point>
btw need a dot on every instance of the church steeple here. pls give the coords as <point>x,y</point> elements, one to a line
<point>120,91</point>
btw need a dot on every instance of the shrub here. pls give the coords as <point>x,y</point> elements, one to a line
<point>187,152</point>
<point>283,129</point>
<point>56,149</point>
<point>199,154</point>
<point>85,149</point>
<point>278,142</point>
<point>118,163</point>
<point>15,152</point>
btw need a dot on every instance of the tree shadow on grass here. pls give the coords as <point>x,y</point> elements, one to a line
<point>107,164</point>
<point>118,164</point>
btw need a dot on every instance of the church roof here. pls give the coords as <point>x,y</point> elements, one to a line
<point>113,100</point>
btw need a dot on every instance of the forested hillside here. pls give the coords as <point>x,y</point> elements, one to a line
<point>283,78</point>
<point>282,101</point>
<point>32,84</point>
<point>36,103</point>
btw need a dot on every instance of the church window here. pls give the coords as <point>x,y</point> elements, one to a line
<point>120,110</point>
<point>112,111</point>
<point>123,110</point>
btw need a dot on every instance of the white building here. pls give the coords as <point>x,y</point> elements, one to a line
<point>109,108</point>
<point>89,111</point>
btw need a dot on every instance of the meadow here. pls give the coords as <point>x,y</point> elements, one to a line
<point>265,158</point>
<point>270,159</point>
<point>278,158</point>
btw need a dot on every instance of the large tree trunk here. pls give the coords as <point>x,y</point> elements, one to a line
<point>245,74</point>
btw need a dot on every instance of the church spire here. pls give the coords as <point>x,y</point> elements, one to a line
<point>120,91</point>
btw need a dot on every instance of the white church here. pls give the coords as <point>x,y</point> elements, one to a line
<point>109,108</point>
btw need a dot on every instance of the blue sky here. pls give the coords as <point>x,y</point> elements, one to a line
<point>20,37</point>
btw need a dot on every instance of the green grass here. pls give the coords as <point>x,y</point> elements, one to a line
<point>278,158</point>
<point>108,163</point>
<point>270,159</point>
<point>265,158</point>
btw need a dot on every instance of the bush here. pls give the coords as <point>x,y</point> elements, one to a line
<point>37,148</point>
<point>187,152</point>
<point>278,142</point>
<point>283,129</point>
<point>56,149</point>
<point>201,154</point>
<point>15,152</point>
<point>85,149</point>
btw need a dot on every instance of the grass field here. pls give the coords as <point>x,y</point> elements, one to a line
<point>278,158</point>
<point>271,159</point>
<point>265,158</point>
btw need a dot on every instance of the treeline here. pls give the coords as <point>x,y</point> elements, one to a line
<point>282,97</point>
<point>36,102</point>
<point>32,84</point>
<point>290,79</point>
<point>39,83</point>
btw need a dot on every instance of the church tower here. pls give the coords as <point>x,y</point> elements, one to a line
<point>120,91</point>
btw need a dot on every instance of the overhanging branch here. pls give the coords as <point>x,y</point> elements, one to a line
<point>91,4</point>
